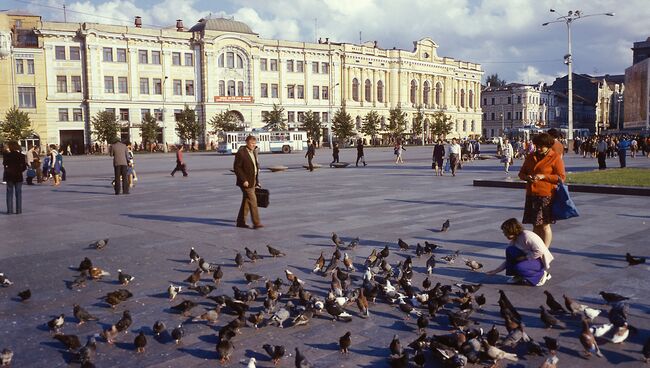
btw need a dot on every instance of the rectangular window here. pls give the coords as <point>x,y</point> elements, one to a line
<point>325,68</point>
<point>76,83</point>
<point>144,112</point>
<point>314,67</point>
<point>20,68</point>
<point>189,87</point>
<point>77,115</point>
<point>124,114</point>
<point>301,91</point>
<point>325,117</point>
<point>157,113</point>
<point>122,85</point>
<point>177,112</point>
<point>189,59</point>
<point>30,66</point>
<point>27,97</point>
<point>291,91</point>
<point>59,52</point>
<point>63,115</point>
<point>291,117</point>
<point>509,115</point>
<point>143,56</point>
<point>144,86</point>
<point>155,57</point>
<point>492,100</point>
<point>290,65</point>
<point>301,117</point>
<point>325,93</point>
<point>484,101</point>
<point>274,90</point>
<point>109,86</point>
<point>263,64</point>
<point>264,90</point>
<point>316,93</point>
<point>157,86</point>
<point>492,116</point>
<point>108,54</point>
<point>176,58</point>
<point>274,65</point>
<point>110,110</point>
<point>61,84</point>
<point>75,54</point>
<point>178,87</point>
<point>509,100</point>
<point>121,55</point>
<point>300,66</point>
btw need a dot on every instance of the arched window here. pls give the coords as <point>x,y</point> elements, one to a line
<point>230,59</point>
<point>427,92</point>
<point>240,62</point>
<point>221,57</point>
<point>473,126</point>
<point>358,122</point>
<point>438,93</point>
<point>383,122</point>
<point>471,99</point>
<point>414,91</point>
<point>355,89</point>
<point>462,98</point>
<point>457,125</point>
<point>240,88</point>
<point>231,88</point>
<point>464,125</point>
<point>222,88</point>
<point>368,90</point>
<point>380,91</point>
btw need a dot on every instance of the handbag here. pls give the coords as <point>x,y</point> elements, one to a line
<point>31,173</point>
<point>262,197</point>
<point>563,206</point>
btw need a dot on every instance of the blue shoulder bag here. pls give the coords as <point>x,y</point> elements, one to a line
<point>563,206</point>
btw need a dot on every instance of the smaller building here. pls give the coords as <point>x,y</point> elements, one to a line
<point>636,99</point>
<point>641,51</point>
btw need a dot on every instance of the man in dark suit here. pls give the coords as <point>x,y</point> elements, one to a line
<point>247,170</point>
<point>311,152</point>
<point>120,152</point>
<point>360,155</point>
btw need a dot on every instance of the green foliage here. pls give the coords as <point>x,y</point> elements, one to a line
<point>16,125</point>
<point>370,124</point>
<point>494,80</point>
<point>187,127</point>
<point>342,126</point>
<point>274,120</point>
<point>441,124</point>
<point>105,127</point>
<point>312,125</point>
<point>396,122</point>
<point>224,121</point>
<point>149,128</point>
<point>418,121</point>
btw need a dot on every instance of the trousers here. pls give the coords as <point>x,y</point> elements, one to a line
<point>17,188</point>
<point>121,180</point>
<point>248,204</point>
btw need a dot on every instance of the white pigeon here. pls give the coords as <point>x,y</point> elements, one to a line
<point>601,330</point>
<point>251,363</point>
<point>590,313</point>
<point>621,334</point>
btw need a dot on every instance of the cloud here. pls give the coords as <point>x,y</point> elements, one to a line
<point>532,75</point>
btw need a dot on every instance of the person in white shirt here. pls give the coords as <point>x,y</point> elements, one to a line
<point>454,155</point>
<point>508,153</point>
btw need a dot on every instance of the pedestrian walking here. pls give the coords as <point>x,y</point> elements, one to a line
<point>438,157</point>
<point>68,150</point>
<point>602,153</point>
<point>120,163</point>
<point>55,165</point>
<point>180,163</point>
<point>58,163</point>
<point>130,171</point>
<point>454,155</point>
<point>508,155</point>
<point>247,170</point>
<point>311,152</point>
<point>360,154</point>
<point>623,146</point>
<point>14,163</point>
<point>335,154</point>
<point>399,149</point>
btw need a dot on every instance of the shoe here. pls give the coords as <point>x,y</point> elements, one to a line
<point>545,277</point>
<point>364,164</point>
<point>172,175</point>
<point>516,280</point>
<point>243,226</point>
<point>258,226</point>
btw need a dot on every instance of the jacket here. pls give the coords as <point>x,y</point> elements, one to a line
<point>14,164</point>
<point>558,147</point>
<point>244,167</point>
<point>551,166</point>
<point>534,247</point>
<point>119,152</point>
<point>311,151</point>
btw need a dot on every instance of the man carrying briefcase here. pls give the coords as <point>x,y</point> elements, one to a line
<point>247,169</point>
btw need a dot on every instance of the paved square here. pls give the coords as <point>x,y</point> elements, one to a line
<point>152,230</point>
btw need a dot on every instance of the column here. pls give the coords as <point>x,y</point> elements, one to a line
<point>373,88</point>
<point>362,86</point>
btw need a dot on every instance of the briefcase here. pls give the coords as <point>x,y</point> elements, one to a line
<point>262,197</point>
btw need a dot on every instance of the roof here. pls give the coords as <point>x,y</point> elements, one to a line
<point>223,25</point>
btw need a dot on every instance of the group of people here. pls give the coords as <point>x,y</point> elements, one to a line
<point>603,147</point>
<point>446,156</point>
<point>123,166</point>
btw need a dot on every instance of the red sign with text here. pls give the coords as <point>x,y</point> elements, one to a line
<point>246,99</point>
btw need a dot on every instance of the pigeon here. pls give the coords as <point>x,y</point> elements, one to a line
<point>79,281</point>
<point>140,342</point>
<point>82,315</point>
<point>97,273</point>
<point>493,335</point>
<point>276,352</point>
<point>124,278</point>
<point>402,244</point>
<point>633,261</point>
<point>56,323</point>
<point>301,361</point>
<point>203,290</point>
<point>116,297</point>
<point>184,307</point>
<point>194,256</point>
<point>550,362</point>
<point>407,308</point>
<point>353,243</point>
<point>125,322</point>
<point>600,331</point>
<point>25,295</point>
<point>362,303</point>
<point>419,359</point>
<point>334,262</point>
<point>445,226</point>
<point>431,264</point>
<point>239,260</point>
<point>344,343</point>
<point>646,351</point>
<point>553,304</point>
<point>251,277</point>
<point>497,354</point>
<point>573,306</point>
<point>87,352</point>
<point>451,258</point>
<point>210,316</point>
<point>419,250</point>
<point>177,334</point>
<point>588,340</point>
<point>279,317</point>
<point>252,255</point>
<point>430,247</point>
<point>110,333</point>
<point>422,322</point>
<point>372,259</point>
<point>613,297</point>
<point>337,241</point>
<point>480,300</point>
<point>426,283</point>
<point>194,277</point>
<point>85,265</point>
<point>99,244</point>
<point>551,344</point>
<point>473,265</point>
<point>469,288</point>
<point>204,265</point>
<point>256,319</point>
<point>225,348</point>
<point>71,342</point>
<point>547,318</point>
<point>158,328</point>
<point>274,252</point>
<point>590,313</point>
<point>173,291</point>
<point>401,361</point>
<point>621,334</point>
<point>217,275</point>
<point>251,363</point>
<point>5,357</point>
<point>347,262</point>
<point>320,263</point>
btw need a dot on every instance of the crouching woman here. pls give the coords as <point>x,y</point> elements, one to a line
<point>527,258</point>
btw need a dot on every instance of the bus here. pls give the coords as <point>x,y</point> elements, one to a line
<point>285,141</point>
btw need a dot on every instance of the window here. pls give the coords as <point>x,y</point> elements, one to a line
<point>59,52</point>
<point>509,100</point>
<point>63,115</point>
<point>143,113</point>
<point>122,85</point>
<point>108,54</point>
<point>325,93</point>
<point>263,64</point>
<point>518,99</point>
<point>157,86</point>
<point>301,116</point>
<point>290,65</point>
<point>492,100</point>
<point>110,110</point>
<point>438,93</point>
<point>61,84</point>
<point>178,87</point>
<point>380,91</point>
<point>231,88</point>
<point>484,101</point>
<point>124,114</point>
<point>414,91</point>
<point>509,115</point>
<point>18,23</point>
<point>240,88</point>
<point>355,89</point>
<point>230,59</point>
<point>27,97</point>
<point>240,62</point>
<point>314,67</point>
<point>325,117</point>
<point>427,93</point>
<point>177,112</point>
<point>325,68</point>
<point>291,91</point>
<point>143,56</point>
<point>368,90</point>
<point>121,55</point>
<point>20,69</point>
<point>264,90</point>
<point>77,115</point>
<point>301,91</point>
<point>158,114</point>
<point>76,83</point>
<point>274,90</point>
<point>471,99</point>
<point>74,53</point>
<point>30,66</point>
<point>189,59</point>
<point>291,117</point>
<point>155,57</point>
<point>492,116</point>
<point>220,60</point>
<point>144,86</point>
<point>300,67</point>
<point>222,88</point>
<point>176,58</point>
<point>274,65</point>
<point>189,87</point>
<point>316,93</point>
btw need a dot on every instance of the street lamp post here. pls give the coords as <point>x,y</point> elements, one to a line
<point>164,142</point>
<point>568,19</point>
<point>619,99</point>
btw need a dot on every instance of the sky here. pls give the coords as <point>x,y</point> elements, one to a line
<point>504,36</point>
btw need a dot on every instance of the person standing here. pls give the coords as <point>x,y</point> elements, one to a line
<point>558,147</point>
<point>399,149</point>
<point>438,157</point>
<point>311,152</point>
<point>120,161</point>
<point>247,170</point>
<point>68,150</point>
<point>130,171</point>
<point>623,146</point>
<point>454,155</point>
<point>508,154</point>
<point>335,154</point>
<point>31,172</point>
<point>55,170</point>
<point>180,164</point>
<point>59,165</point>
<point>14,164</point>
<point>602,153</point>
<point>541,170</point>
<point>360,154</point>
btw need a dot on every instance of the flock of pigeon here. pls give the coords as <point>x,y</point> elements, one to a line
<point>289,302</point>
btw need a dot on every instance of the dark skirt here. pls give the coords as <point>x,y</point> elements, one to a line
<point>529,270</point>
<point>538,210</point>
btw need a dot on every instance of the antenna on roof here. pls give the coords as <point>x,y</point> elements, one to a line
<point>65,15</point>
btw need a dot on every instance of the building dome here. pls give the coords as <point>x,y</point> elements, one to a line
<point>222,25</point>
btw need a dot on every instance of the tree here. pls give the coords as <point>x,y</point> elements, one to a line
<point>105,127</point>
<point>274,120</point>
<point>370,124</point>
<point>494,81</point>
<point>187,127</point>
<point>441,124</point>
<point>224,121</point>
<point>149,128</point>
<point>418,120</point>
<point>342,125</point>
<point>397,122</point>
<point>312,125</point>
<point>16,126</point>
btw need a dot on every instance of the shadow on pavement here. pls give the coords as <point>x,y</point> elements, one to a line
<point>197,220</point>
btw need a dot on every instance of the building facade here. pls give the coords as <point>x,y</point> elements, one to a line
<point>636,98</point>
<point>221,64</point>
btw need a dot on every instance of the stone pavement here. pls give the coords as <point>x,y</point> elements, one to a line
<point>152,229</point>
